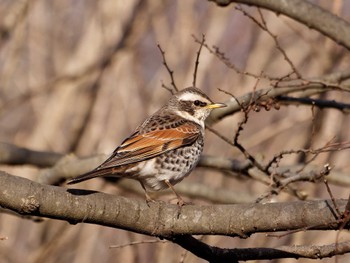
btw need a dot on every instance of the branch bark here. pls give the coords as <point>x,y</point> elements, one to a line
<point>315,86</point>
<point>159,219</point>
<point>306,13</point>
<point>174,223</point>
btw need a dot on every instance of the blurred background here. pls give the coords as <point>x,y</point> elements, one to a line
<point>79,76</point>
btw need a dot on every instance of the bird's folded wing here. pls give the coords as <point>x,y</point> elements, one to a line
<point>140,147</point>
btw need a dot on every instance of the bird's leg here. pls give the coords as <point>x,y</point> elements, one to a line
<point>180,201</point>
<point>148,198</point>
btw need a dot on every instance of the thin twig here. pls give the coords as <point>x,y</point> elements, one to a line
<point>332,198</point>
<point>171,72</point>
<point>279,185</point>
<point>246,111</point>
<point>263,26</point>
<point>141,242</point>
<point>167,88</point>
<point>233,96</point>
<point>197,60</point>
<point>328,147</point>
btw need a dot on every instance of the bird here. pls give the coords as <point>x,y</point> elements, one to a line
<point>165,148</point>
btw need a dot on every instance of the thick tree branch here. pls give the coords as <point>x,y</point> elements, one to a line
<point>176,223</point>
<point>159,219</point>
<point>306,13</point>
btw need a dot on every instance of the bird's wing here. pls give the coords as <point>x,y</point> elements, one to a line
<point>143,145</point>
<point>140,147</point>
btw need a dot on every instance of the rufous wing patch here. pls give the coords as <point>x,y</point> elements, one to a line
<point>140,147</point>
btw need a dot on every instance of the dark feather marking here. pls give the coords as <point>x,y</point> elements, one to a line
<point>189,140</point>
<point>165,146</point>
<point>186,106</point>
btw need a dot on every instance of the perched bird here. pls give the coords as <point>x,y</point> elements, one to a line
<point>165,148</point>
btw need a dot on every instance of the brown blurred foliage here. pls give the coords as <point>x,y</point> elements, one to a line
<point>79,76</point>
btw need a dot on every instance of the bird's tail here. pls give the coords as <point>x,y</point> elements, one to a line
<point>91,174</point>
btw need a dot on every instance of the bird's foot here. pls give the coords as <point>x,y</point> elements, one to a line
<point>181,202</point>
<point>149,200</point>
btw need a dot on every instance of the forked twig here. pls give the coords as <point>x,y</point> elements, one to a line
<point>263,26</point>
<point>330,146</point>
<point>171,72</point>
<point>225,60</point>
<point>235,143</point>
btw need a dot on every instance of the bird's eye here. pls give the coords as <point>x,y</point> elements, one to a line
<point>199,103</point>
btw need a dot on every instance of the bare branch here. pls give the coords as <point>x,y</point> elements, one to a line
<point>159,219</point>
<point>167,221</point>
<point>312,252</point>
<point>197,59</point>
<point>171,72</point>
<point>339,214</point>
<point>304,89</point>
<point>307,13</point>
<point>246,109</point>
<point>263,26</point>
<point>328,147</point>
<point>11,154</point>
<point>222,57</point>
<point>319,103</point>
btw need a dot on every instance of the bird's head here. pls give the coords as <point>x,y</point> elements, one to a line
<point>192,104</point>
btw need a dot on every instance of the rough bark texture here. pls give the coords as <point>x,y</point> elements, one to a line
<point>160,219</point>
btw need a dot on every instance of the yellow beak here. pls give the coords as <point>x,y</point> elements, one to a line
<point>216,105</point>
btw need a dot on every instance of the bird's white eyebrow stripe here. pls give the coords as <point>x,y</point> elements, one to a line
<point>191,97</point>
